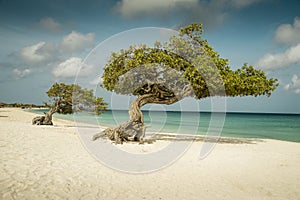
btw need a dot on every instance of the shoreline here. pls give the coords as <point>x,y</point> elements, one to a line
<point>39,162</point>
<point>195,137</point>
<point>168,135</point>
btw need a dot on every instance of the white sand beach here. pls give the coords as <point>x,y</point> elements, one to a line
<point>40,162</point>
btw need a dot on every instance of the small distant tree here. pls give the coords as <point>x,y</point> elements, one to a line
<point>67,99</point>
<point>185,66</point>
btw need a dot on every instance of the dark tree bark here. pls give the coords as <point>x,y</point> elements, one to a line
<point>133,128</point>
<point>47,119</point>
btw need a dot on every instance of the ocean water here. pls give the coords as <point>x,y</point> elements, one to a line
<point>242,125</point>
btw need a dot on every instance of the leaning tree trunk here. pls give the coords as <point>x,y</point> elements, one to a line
<point>47,119</point>
<point>134,128</point>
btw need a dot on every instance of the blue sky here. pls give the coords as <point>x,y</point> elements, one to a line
<point>43,41</point>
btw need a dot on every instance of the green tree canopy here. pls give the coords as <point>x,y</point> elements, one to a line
<point>72,98</point>
<point>193,58</point>
<point>67,99</point>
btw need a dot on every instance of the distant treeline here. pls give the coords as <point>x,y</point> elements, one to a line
<point>20,105</point>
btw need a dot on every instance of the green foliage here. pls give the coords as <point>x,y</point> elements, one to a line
<point>72,98</point>
<point>195,59</point>
<point>100,106</point>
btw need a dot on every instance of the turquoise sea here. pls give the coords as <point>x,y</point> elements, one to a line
<point>243,125</point>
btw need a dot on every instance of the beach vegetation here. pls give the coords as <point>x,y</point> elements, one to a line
<point>67,99</point>
<point>185,66</point>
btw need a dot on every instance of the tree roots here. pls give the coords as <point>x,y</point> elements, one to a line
<point>128,131</point>
<point>41,120</point>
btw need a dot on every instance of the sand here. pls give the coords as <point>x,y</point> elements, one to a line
<point>39,162</point>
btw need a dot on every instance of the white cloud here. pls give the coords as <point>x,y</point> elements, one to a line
<point>72,67</point>
<point>96,81</point>
<point>21,73</point>
<point>76,41</point>
<point>137,8</point>
<point>242,3</point>
<point>30,54</point>
<point>288,34</point>
<point>210,13</point>
<point>49,24</point>
<point>49,53</point>
<point>48,50</point>
<point>294,86</point>
<point>38,53</point>
<point>281,60</point>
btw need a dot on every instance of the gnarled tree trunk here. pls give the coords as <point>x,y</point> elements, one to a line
<point>135,126</point>
<point>150,94</point>
<point>47,119</point>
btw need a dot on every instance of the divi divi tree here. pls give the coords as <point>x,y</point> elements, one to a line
<point>185,66</point>
<point>67,99</point>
